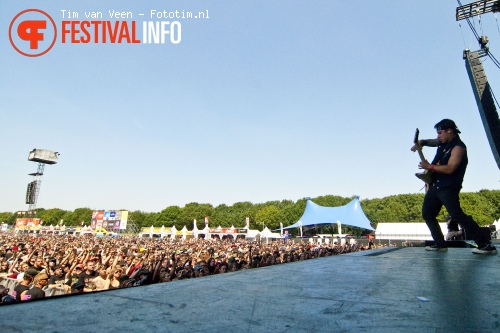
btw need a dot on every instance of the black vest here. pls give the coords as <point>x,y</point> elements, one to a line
<point>442,156</point>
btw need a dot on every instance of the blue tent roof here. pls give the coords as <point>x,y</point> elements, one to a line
<point>351,214</point>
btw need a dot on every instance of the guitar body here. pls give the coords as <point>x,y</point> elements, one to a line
<point>425,176</point>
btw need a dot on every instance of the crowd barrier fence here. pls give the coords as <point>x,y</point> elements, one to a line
<point>12,283</point>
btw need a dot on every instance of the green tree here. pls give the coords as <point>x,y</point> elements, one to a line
<point>242,210</point>
<point>168,216</point>
<point>51,216</point>
<point>292,213</point>
<point>193,211</point>
<point>81,214</point>
<point>252,214</point>
<point>9,218</point>
<point>150,219</point>
<point>67,219</point>
<point>478,207</point>
<point>235,215</point>
<point>396,208</point>
<point>139,218</point>
<point>270,216</point>
<point>331,200</point>
<point>223,215</point>
<point>493,197</point>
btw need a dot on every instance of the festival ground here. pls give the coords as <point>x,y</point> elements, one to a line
<point>384,290</point>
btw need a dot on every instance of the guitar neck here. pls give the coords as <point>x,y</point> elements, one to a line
<point>419,149</point>
<point>418,146</point>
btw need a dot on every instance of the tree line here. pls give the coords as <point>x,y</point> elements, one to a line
<point>483,206</point>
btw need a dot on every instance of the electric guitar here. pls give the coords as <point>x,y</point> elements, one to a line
<point>425,176</point>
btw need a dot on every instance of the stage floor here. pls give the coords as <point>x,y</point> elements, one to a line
<point>384,290</point>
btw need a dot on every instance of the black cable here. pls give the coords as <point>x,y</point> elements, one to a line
<point>495,61</point>
<point>470,24</point>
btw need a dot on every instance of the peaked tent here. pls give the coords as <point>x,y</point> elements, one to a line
<point>350,214</point>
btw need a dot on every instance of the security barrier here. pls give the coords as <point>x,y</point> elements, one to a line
<point>12,283</point>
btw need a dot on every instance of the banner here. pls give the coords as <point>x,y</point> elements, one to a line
<point>27,222</point>
<point>111,220</point>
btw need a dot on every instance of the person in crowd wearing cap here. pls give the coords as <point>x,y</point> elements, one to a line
<point>77,288</point>
<point>24,285</point>
<point>74,274</point>
<point>201,269</point>
<point>8,253</point>
<point>58,280</point>
<point>447,171</point>
<point>36,292</point>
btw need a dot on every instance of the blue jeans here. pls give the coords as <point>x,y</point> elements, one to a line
<point>434,200</point>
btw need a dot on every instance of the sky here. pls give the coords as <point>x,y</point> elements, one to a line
<point>263,100</point>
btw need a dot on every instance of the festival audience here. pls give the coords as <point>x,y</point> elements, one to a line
<point>66,264</point>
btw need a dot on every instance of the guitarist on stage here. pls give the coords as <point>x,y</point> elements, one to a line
<point>448,170</point>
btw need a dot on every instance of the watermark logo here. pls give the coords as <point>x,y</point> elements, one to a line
<point>32,32</point>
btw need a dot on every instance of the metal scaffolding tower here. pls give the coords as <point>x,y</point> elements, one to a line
<point>42,156</point>
<point>485,98</point>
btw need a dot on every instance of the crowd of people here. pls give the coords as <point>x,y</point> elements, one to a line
<point>66,264</point>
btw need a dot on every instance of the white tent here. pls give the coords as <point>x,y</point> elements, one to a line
<point>406,231</point>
